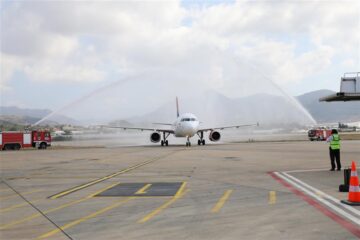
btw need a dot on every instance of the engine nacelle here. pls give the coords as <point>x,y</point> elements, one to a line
<point>155,137</point>
<point>214,136</point>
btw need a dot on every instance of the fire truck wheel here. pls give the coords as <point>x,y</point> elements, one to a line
<point>42,146</point>
<point>16,147</point>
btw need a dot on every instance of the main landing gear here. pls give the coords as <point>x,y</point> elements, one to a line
<point>164,141</point>
<point>201,140</point>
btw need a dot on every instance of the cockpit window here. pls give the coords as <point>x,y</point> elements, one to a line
<point>188,119</point>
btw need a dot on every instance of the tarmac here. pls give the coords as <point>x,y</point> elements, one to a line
<point>256,190</point>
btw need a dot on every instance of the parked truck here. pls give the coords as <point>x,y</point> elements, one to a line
<point>15,140</point>
<point>319,134</point>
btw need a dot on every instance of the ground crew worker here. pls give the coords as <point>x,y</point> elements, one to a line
<point>334,149</point>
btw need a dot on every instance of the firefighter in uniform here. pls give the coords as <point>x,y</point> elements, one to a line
<point>334,150</point>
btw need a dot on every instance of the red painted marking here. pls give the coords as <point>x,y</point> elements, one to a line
<point>354,229</point>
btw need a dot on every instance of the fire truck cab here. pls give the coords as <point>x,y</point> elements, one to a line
<point>41,139</point>
<point>318,134</point>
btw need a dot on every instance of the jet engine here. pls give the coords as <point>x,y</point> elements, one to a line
<point>214,136</point>
<point>155,137</point>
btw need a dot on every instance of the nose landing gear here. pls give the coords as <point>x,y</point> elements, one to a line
<point>188,143</point>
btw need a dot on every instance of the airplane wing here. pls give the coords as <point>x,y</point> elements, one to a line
<point>167,124</point>
<point>221,128</point>
<point>141,129</point>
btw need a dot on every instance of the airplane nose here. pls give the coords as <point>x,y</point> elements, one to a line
<point>189,129</point>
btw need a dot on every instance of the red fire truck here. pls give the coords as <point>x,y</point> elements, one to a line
<point>319,134</point>
<point>16,140</point>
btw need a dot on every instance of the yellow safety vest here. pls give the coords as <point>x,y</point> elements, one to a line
<point>335,142</point>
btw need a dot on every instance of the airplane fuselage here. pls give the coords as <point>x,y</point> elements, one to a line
<point>186,125</point>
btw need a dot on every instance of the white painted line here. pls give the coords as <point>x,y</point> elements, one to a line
<point>328,204</point>
<point>324,195</point>
<point>308,170</point>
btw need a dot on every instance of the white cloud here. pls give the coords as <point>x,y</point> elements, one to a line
<point>61,46</point>
<point>348,63</point>
<point>88,41</point>
<point>9,64</point>
<point>63,73</point>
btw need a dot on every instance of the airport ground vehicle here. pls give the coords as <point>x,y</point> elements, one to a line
<point>11,140</point>
<point>319,134</point>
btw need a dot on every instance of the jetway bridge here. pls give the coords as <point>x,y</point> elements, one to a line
<point>349,89</point>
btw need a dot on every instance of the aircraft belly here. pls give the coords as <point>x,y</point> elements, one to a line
<point>179,134</point>
<point>183,133</point>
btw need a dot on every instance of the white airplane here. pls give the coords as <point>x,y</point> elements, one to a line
<point>186,125</point>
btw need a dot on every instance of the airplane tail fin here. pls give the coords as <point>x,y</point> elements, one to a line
<point>177,107</point>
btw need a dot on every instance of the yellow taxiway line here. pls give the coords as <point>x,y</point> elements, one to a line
<point>17,206</point>
<point>180,193</point>
<point>143,189</point>
<point>71,190</point>
<point>221,201</point>
<point>104,189</point>
<point>85,218</point>
<point>13,223</point>
<point>5,190</point>
<point>272,197</point>
<point>14,195</point>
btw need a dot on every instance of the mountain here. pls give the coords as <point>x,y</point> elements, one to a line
<point>270,110</point>
<point>27,116</point>
<point>217,110</point>
<point>329,111</point>
<point>21,120</point>
<point>16,111</point>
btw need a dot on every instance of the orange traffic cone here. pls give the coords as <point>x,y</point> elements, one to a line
<point>354,190</point>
